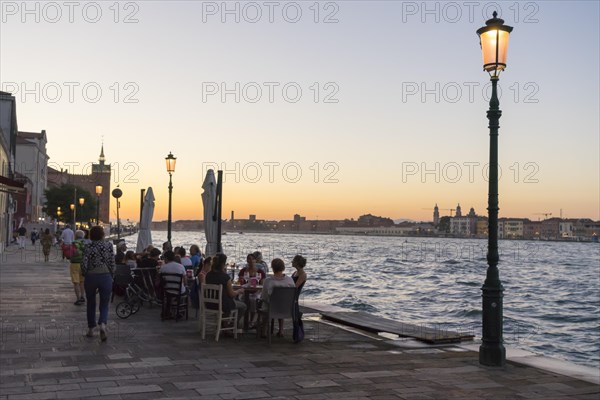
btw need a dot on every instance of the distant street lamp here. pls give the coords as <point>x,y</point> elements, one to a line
<point>72,207</point>
<point>116,194</point>
<point>494,45</point>
<point>81,202</point>
<point>98,193</point>
<point>58,217</point>
<point>170,169</point>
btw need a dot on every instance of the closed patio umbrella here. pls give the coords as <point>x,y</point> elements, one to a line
<point>209,197</point>
<point>145,235</point>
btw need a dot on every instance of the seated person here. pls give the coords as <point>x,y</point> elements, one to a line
<point>151,259</point>
<point>206,268</point>
<point>185,260</point>
<point>218,276</point>
<point>121,249</point>
<point>278,279</point>
<point>146,277</point>
<point>251,271</point>
<point>122,276</point>
<point>260,264</point>
<point>252,276</point>
<point>130,259</point>
<point>195,256</point>
<point>172,267</point>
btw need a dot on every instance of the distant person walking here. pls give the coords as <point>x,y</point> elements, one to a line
<point>67,236</point>
<point>97,266</point>
<point>75,268</point>
<point>21,238</point>
<point>46,240</point>
<point>33,236</point>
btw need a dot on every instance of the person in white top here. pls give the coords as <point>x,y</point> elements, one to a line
<point>185,260</point>
<point>172,267</point>
<point>67,236</point>
<point>278,279</point>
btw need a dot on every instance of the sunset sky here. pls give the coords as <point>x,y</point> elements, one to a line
<point>329,111</point>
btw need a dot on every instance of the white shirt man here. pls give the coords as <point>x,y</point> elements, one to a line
<point>173,267</point>
<point>67,235</point>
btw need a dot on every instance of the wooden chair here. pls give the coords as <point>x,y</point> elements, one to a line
<point>211,297</point>
<point>173,299</point>
<point>281,306</point>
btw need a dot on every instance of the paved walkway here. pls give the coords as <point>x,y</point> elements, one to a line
<point>44,356</point>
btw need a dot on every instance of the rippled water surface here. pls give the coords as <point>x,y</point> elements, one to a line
<point>551,289</point>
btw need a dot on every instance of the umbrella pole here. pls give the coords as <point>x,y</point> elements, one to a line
<point>219,205</point>
<point>143,192</point>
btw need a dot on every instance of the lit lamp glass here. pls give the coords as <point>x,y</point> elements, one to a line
<point>494,44</point>
<point>98,190</point>
<point>81,201</point>
<point>72,207</point>
<point>171,160</point>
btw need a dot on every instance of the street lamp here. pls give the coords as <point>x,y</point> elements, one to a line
<point>98,193</point>
<point>117,193</point>
<point>81,201</point>
<point>72,207</point>
<point>494,44</point>
<point>170,169</point>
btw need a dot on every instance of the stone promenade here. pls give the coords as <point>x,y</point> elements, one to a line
<point>45,356</point>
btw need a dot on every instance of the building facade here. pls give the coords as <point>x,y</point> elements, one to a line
<point>9,187</point>
<point>32,162</point>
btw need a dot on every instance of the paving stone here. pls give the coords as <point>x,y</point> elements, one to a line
<point>129,389</point>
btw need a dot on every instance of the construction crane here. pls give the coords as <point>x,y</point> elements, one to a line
<point>544,214</point>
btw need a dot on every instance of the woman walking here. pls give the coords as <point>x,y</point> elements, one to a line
<point>97,267</point>
<point>47,239</point>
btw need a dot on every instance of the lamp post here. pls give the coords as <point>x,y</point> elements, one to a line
<point>98,193</point>
<point>494,44</point>
<point>170,169</point>
<point>116,194</point>
<point>81,202</point>
<point>72,207</point>
<point>58,217</point>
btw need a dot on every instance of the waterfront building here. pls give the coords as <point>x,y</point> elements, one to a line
<point>586,229</point>
<point>372,220</point>
<point>481,227</point>
<point>550,229</point>
<point>513,228</point>
<point>31,161</point>
<point>462,226</point>
<point>566,229</point>
<point>531,229</point>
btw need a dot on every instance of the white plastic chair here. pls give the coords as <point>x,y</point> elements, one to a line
<point>213,295</point>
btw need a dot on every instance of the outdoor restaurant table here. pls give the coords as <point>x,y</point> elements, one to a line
<point>248,290</point>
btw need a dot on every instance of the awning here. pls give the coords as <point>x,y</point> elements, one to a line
<point>11,186</point>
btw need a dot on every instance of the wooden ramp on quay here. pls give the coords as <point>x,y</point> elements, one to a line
<point>375,324</point>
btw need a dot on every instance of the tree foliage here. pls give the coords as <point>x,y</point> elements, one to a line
<point>63,196</point>
<point>444,225</point>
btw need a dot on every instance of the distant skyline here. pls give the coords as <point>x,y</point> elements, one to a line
<point>329,111</point>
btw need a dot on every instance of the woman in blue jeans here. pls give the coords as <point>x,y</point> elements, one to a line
<point>97,266</point>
